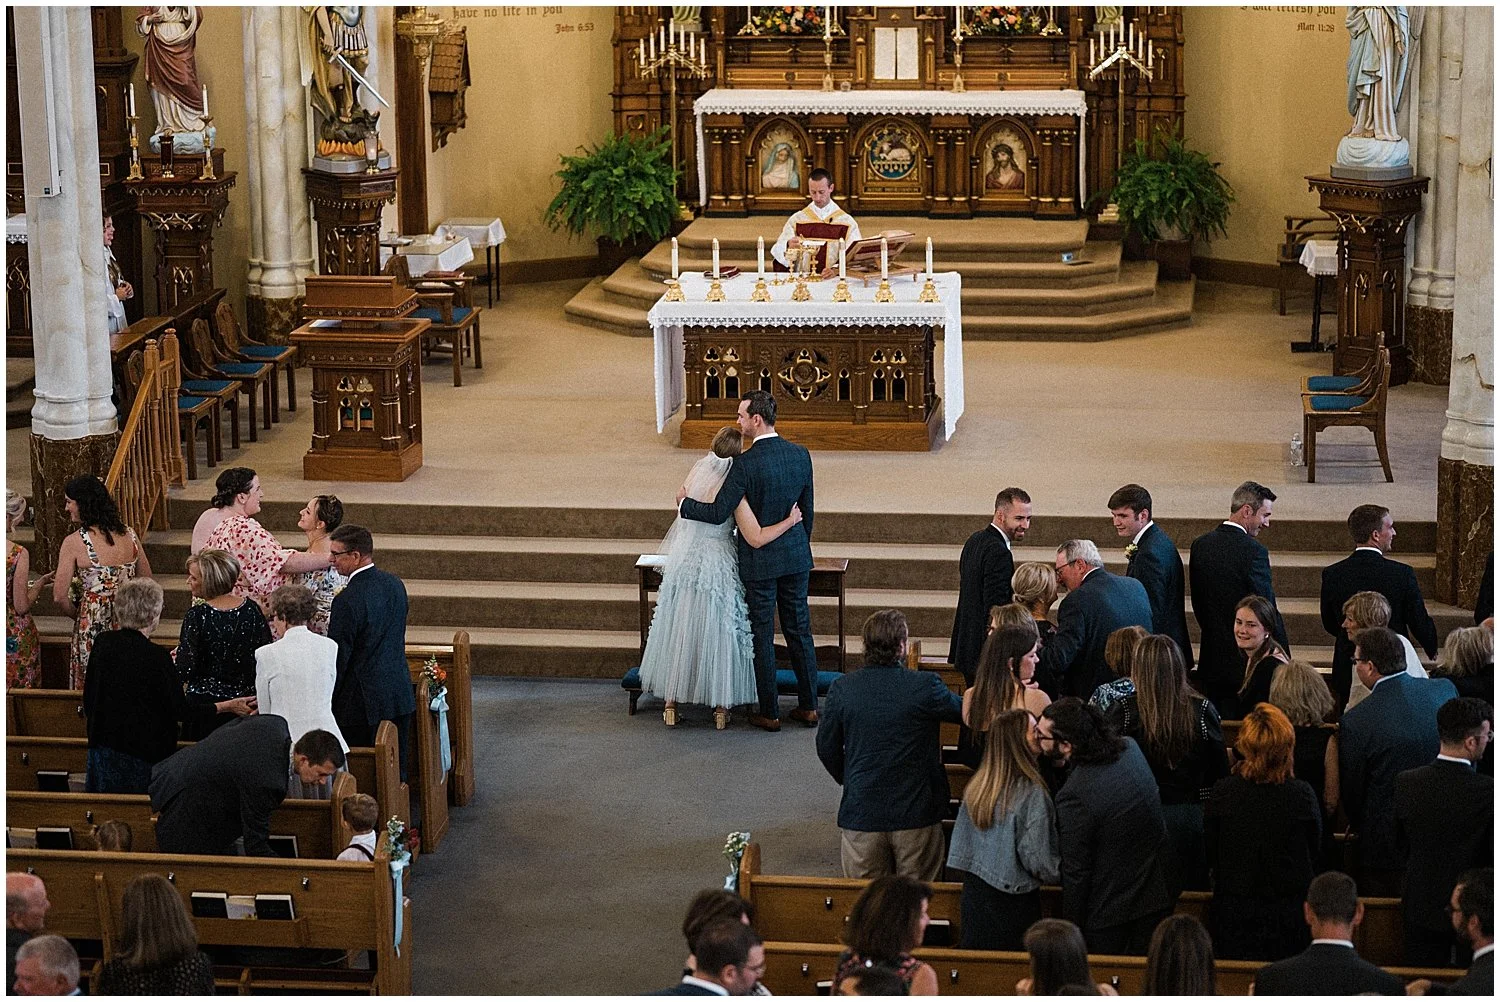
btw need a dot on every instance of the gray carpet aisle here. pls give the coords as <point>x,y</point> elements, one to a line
<point>590,832</point>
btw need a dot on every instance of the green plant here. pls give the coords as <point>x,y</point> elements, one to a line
<point>623,189</point>
<point>1169,187</point>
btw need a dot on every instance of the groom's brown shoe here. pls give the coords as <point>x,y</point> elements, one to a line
<point>765,723</point>
<point>808,718</point>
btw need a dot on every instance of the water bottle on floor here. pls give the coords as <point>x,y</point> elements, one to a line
<point>1294,451</point>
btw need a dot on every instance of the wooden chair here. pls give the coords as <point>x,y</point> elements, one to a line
<point>226,391</point>
<point>1358,384</point>
<point>251,376</point>
<point>1299,230</point>
<point>455,322</point>
<point>1326,410</point>
<point>192,411</point>
<point>238,344</point>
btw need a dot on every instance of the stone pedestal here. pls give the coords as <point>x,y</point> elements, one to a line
<point>53,463</point>
<point>182,207</point>
<point>347,210</point>
<point>1372,218</point>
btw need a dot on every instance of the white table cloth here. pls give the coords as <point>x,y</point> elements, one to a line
<point>728,101</point>
<point>480,232</point>
<point>15,229</point>
<point>668,319</point>
<point>426,254</point>
<point>1320,257</point>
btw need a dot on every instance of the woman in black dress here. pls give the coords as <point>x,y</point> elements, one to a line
<point>1298,690</point>
<point>1254,619</point>
<point>1263,830</point>
<point>1034,585</point>
<point>216,654</point>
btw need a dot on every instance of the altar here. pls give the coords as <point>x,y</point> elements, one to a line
<point>854,376</point>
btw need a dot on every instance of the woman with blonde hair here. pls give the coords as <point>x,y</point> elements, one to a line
<point>1300,692</point>
<point>1005,839</point>
<point>1034,585</point>
<point>1468,661</point>
<point>23,647</point>
<point>1365,610</point>
<point>700,648</point>
<point>1119,647</point>
<point>219,636</point>
<point>158,945</point>
<point>1263,830</point>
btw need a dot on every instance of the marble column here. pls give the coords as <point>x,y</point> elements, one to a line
<point>1434,91</point>
<point>1466,464</point>
<point>73,428</point>
<point>276,139</point>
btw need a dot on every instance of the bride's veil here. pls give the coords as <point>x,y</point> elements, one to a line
<point>703,483</point>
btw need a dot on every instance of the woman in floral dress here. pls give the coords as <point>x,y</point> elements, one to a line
<point>323,514</point>
<point>100,556</point>
<point>23,652</point>
<point>264,563</point>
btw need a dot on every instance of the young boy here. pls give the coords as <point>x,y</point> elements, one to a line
<point>361,812</point>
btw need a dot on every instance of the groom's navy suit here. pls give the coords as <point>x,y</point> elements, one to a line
<point>773,475</point>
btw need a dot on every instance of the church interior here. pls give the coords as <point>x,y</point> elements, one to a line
<point>353,250</point>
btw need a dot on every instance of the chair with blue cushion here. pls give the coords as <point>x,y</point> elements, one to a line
<point>229,338</point>
<point>446,306</point>
<point>226,391</point>
<point>251,377</point>
<point>1327,410</point>
<point>1358,384</point>
<point>192,411</point>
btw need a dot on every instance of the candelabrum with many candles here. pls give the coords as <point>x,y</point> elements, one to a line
<point>670,51</point>
<point>1119,49</point>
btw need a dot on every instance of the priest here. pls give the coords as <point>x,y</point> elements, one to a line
<point>822,220</point>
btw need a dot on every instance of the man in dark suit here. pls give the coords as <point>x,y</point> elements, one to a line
<point>773,474</point>
<point>1394,729</point>
<point>1097,604</point>
<point>984,570</point>
<point>26,907</point>
<point>1110,829</point>
<point>226,786</point>
<point>1329,966</point>
<point>728,959</point>
<point>1472,908</point>
<point>1224,566</point>
<point>1368,569</point>
<point>1152,559</point>
<point>1445,823</point>
<point>879,741</point>
<point>368,621</point>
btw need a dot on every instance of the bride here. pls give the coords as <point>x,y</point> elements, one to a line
<point>700,649</point>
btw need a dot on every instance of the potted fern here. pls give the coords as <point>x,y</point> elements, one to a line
<point>1169,196</point>
<point>624,190</point>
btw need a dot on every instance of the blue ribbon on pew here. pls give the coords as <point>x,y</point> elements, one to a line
<point>397,868</point>
<point>439,705</point>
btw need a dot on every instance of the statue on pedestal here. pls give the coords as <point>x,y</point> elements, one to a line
<point>1380,42</point>
<point>334,53</point>
<point>171,35</point>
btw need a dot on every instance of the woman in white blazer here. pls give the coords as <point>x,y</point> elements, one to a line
<point>294,676</point>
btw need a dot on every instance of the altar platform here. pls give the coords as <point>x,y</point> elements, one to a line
<point>1016,287</point>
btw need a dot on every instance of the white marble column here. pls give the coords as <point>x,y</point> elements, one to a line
<point>276,137</point>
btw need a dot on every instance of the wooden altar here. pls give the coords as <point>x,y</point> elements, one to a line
<point>367,378</point>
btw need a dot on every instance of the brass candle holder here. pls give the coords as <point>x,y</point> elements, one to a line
<point>801,294</point>
<point>929,292</point>
<point>167,150</point>
<point>135,151</point>
<point>208,154</point>
<point>841,293</point>
<point>761,292</point>
<point>715,292</point>
<point>884,293</point>
<point>958,58</point>
<point>674,291</point>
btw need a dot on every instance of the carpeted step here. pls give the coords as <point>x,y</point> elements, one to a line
<point>1171,306</point>
<point>593,306</point>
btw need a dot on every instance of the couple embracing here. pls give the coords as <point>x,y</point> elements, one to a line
<point>712,635</point>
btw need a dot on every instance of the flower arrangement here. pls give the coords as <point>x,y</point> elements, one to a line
<point>992,20</point>
<point>734,848</point>
<point>400,841</point>
<point>435,678</point>
<point>788,20</point>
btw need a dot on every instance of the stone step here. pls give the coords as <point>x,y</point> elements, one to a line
<point>994,238</point>
<point>1135,289</point>
<point>1171,306</point>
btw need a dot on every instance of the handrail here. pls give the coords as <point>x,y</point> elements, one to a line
<point>148,457</point>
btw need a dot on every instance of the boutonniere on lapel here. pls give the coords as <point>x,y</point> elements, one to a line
<point>1130,551</point>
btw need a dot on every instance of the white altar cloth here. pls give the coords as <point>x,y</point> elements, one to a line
<point>728,101</point>
<point>430,253</point>
<point>668,319</point>
<point>1320,257</point>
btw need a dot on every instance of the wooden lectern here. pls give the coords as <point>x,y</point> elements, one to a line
<point>367,378</point>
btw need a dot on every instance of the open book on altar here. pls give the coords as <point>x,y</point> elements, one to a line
<point>862,258</point>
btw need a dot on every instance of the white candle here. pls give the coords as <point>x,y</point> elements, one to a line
<point>716,257</point>
<point>883,249</point>
<point>131,94</point>
<point>929,257</point>
<point>958,20</point>
<point>760,255</point>
<point>1091,50</point>
<point>1148,52</point>
<point>842,242</point>
<point>1132,34</point>
<point>827,23</point>
<point>205,100</point>
<point>653,45</point>
<point>674,257</point>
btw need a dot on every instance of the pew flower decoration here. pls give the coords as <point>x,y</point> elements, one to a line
<point>437,701</point>
<point>400,843</point>
<point>993,20</point>
<point>436,678</point>
<point>734,848</point>
<point>789,19</point>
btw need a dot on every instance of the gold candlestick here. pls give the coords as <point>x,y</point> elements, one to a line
<point>761,293</point>
<point>958,58</point>
<point>715,292</point>
<point>801,294</point>
<point>674,291</point>
<point>828,64</point>
<point>135,151</point>
<point>884,293</point>
<point>208,154</point>
<point>841,292</point>
<point>929,292</point>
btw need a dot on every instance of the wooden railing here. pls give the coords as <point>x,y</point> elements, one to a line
<point>149,456</point>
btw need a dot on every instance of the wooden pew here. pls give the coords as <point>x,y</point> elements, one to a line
<point>813,909</point>
<point>45,713</point>
<point>796,969</point>
<point>377,771</point>
<point>455,659</point>
<point>343,906</point>
<point>317,824</point>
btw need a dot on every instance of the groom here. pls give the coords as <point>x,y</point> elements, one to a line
<point>773,475</point>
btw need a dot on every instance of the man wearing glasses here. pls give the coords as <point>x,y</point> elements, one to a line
<point>1097,604</point>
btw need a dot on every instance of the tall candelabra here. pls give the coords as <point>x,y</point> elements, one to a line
<point>670,51</point>
<point>1119,49</point>
<point>958,50</point>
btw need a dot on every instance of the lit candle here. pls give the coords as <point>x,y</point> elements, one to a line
<point>131,94</point>
<point>929,257</point>
<point>842,242</point>
<point>883,249</point>
<point>716,257</point>
<point>674,257</point>
<point>760,255</point>
<point>1092,60</point>
<point>205,100</point>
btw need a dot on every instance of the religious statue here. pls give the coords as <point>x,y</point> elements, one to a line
<point>1005,175</point>
<point>335,58</point>
<point>1380,41</point>
<point>171,35</point>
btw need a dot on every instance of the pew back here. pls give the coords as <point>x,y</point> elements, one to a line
<point>454,659</point>
<point>52,713</point>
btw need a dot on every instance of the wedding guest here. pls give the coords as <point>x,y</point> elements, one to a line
<point>1118,650</point>
<point>1005,677</point>
<point>1005,839</point>
<point>157,951</point>
<point>361,812</point>
<point>1034,586</point>
<point>1180,960</point>
<point>984,576</point>
<point>1298,690</point>
<point>133,700</point>
<point>1367,610</point>
<point>114,836</point>
<point>295,675</point>
<point>46,965</point>
<point>26,906</point>
<point>219,636</point>
<point>323,514</point>
<point>729,960</point>
<point>1097,604</point>
<point>885,925</point>
<point>23,648</point>
<point>230,526</point>
<point>1263,830</point>
<point>1330,966</point>
<point>874,980</point>
<point>707,908</point>
<point>1254,626</point>
<point>1472,910</point>
<point>1059,960</point>
<point>1151,558</point>
<point>1468,661</point>
<point>102,555</point>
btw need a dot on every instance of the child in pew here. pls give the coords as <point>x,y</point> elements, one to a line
<point>361,813</point>
<point>114,836</point>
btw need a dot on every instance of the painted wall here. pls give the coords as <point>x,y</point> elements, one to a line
<point>1265,96</point>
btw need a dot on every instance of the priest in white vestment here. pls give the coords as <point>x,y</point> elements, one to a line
<point>823,209</point>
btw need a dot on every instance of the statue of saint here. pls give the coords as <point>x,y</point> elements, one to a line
<point>171,35</point>
<point>336,36</point>
<point>1379,48</point>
